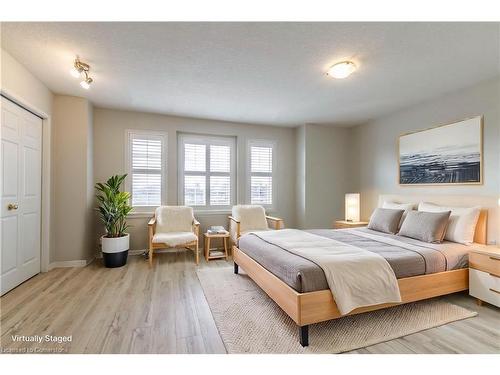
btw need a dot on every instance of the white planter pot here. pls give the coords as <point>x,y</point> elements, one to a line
<point>115,244</point>
<point>115,250</point>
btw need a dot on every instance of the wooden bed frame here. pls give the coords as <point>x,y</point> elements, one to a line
<point>314,307</point>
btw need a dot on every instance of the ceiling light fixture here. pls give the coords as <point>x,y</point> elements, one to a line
<point>86,83</point>
<point>81,69</point>
<point>342,69</point>
<point>74,72</point>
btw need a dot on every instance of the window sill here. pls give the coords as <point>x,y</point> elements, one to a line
<point>148,214</point>
<point>140,214</point>
<point>212,212</point>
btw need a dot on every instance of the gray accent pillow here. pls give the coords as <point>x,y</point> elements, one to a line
<point>425,226</point>
<point>385,220</point>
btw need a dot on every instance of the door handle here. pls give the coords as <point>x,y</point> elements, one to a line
<point>12,206</point>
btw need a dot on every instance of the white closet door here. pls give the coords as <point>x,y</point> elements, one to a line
<point>21,186</point>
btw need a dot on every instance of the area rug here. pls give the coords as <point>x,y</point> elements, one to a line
<point>251,322</point>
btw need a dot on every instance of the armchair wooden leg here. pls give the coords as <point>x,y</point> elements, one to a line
<point>197,253</point>
<point>150,256</point>
<point>205,249</point>
<point>225,246</point>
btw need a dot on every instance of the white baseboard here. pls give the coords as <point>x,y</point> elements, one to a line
<point>130,252</point>
<point>157,251</point>
<point>70,263</point>
<point>136,252</point>
<point>141,251</point>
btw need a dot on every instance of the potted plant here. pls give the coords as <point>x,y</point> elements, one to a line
<point>114,208</point>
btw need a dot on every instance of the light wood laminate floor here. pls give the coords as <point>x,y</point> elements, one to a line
<point>135,310</point>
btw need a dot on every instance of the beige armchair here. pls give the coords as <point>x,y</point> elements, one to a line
<point>173,226</point>
<point>247,218</point>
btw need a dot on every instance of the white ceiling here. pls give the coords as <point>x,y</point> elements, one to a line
<point>269,73</point>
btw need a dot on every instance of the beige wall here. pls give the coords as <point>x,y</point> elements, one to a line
<point>317,164</point>
<point>17,81</point>
<point>300,177</point>
<point>73,179</point>
<point>19,84</point>
<point>375,145</point>
<point>109,158</point>
<point>324,174</point>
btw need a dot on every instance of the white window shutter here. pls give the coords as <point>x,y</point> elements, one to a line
<point>195,190</point>
<point>262,159</point>
<point>220,158</point>
<point>220,190</point>
<point>146,170</point>
<point>262,189</point>
<point>261,174</point>
<point>208,171</point>
<point>220,185</point>
<point>194,157</point>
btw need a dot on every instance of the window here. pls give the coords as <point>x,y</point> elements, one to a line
<point>146,165</point>
<point>207,171</point>
<point>260,157</point>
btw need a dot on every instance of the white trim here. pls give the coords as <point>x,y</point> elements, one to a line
<point>274,146</point>
<point>130,252</point>
<point>136,252</point>
<point>46,225</point>
<point>70,263</point>
<point>139,252</point>
<point>164,161</point>
<point>209,212</point>
<point>198,212</point>
<point>207,140</point>
<point>140,214</point>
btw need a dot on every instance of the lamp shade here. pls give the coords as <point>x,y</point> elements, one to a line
<point>352,207</point>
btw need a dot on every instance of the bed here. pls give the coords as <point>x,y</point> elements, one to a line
<point>299,286</point>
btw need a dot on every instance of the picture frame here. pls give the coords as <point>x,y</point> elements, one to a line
<point>448,154</point>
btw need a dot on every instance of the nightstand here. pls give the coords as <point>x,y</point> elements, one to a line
<point>342,224</point>
<point>484,275</point>
<point>216,253</point>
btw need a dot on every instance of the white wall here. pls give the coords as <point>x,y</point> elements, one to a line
<point>375,144</point>
<point>109,141</point>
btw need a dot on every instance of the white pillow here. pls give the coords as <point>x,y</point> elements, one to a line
<point>462,223</point>
<point>399,206</point>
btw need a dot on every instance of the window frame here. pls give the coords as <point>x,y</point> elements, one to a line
<point>262,143</point>
<point>207,140</point>
<point>163,136</point>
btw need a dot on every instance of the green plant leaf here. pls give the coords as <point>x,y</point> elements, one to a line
<point>113,205</point>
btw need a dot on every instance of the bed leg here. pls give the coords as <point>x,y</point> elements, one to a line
<point>236,268</point>
<point>304,335</point>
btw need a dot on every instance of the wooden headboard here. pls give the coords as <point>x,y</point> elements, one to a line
<point>488,204</point>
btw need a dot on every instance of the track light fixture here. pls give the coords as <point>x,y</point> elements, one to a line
<point>81,70</point>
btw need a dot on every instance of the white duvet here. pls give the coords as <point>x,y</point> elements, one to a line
<point>356,277</point>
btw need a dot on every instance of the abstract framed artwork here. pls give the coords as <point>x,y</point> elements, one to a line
<point>444,155</point>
